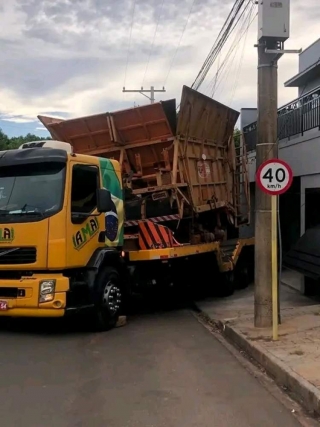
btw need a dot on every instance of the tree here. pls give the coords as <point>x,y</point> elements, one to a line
<point>7,143</point>
<point>236,137</point>
<point>4,141</point>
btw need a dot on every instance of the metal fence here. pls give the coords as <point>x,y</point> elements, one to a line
<point>294,118</point>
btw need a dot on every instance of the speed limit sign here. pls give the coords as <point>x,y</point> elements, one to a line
<point>274,177</point>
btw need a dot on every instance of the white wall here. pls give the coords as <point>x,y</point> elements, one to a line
<point>301,152</point>
<point>309,56</point>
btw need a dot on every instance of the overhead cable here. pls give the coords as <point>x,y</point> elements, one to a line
<point>130,38</point>
<point>230,24</point>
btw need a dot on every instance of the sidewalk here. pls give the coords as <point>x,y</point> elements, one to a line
<point>294,360</point>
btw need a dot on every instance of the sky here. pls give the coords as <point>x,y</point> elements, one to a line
<point>69,58</point>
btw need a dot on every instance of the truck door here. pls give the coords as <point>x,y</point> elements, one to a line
<point>84,224</point>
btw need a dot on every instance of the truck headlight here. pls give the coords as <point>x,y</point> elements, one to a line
<point>47,289</point>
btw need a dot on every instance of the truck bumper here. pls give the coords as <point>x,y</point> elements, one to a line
<point>20,298</point>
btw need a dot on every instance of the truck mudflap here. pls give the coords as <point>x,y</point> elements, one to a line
<point>304,256</point>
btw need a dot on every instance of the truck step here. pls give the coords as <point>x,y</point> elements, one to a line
<point>227,249</point>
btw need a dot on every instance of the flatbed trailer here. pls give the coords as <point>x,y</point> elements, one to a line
<point>183,177</point>
<point>226,259</point>
<point>120,203</point>
<point>229,264</point>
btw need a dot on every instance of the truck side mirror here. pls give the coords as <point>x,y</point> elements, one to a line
<point>104,201</point>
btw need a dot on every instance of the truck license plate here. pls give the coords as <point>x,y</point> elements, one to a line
<point>3,305</point>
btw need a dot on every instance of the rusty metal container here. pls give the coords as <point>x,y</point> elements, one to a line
<point>186,161</point>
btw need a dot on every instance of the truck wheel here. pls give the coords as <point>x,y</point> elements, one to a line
<point>109,300</point>
<point>227,285</point>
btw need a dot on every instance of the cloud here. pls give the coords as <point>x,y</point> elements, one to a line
<point>71,57</point>
<point>17,119</point>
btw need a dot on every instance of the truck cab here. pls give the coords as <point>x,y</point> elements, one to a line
<point>61,233</point>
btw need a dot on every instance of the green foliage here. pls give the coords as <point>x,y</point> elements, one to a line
<point>236,137</point>
<point>7,143</point>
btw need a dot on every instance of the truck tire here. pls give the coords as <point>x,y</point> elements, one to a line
<point>227,285</point>
<point>109,300</point>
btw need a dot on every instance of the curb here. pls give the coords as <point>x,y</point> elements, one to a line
<point>307,394</point>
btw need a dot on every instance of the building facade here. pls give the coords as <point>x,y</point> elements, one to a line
<point>299,146</point>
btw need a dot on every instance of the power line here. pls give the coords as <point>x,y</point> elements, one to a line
<point>215,79</point>
<point>154,37</point>
<point>214,51</point>
<point>241,55</point>
<point>129,44</point>
<point>223,65</point>
<point>229,31</point>
<point>222,75</point>
<point>217,72</point>
<point>223,35</point>
<point>178,46</point>
<point>238,37</point>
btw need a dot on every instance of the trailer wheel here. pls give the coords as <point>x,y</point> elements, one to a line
<point>227,285</point>
<point>109,300</point>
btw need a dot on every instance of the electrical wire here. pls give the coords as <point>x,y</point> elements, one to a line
<point>242,55</point>
<point>227,29</point>
<point>220,45</point>
<point>196,84</point>
<point>179,43</point>
<point>230,30</point>
<point>153,40</point>
<point>243,31</point>
<point>217,73</point>
<point>237,38</point>
<point>225,63</point>
<point>214,83</point>
<point>129,44</point>
<point>222,75</point>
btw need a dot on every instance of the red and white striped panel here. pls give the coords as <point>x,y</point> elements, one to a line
<point>155,219</point>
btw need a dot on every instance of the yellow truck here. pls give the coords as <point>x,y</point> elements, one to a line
<point>121,201</point>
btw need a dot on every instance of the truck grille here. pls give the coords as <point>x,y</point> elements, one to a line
<point>8,292</point>
<point>12,255</point>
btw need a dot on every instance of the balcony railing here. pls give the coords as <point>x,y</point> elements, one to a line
<point>294,118</point>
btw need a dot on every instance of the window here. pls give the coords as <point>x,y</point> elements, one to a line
<point>31,190</point>
<point>85,182</point>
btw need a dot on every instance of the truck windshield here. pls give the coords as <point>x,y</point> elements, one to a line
<point>31,190</point>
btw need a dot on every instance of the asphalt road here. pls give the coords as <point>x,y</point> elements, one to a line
<point>159,370</point>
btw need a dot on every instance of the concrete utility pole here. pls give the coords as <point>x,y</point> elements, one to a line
<point>143,92</point>
<point>273,21</point>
